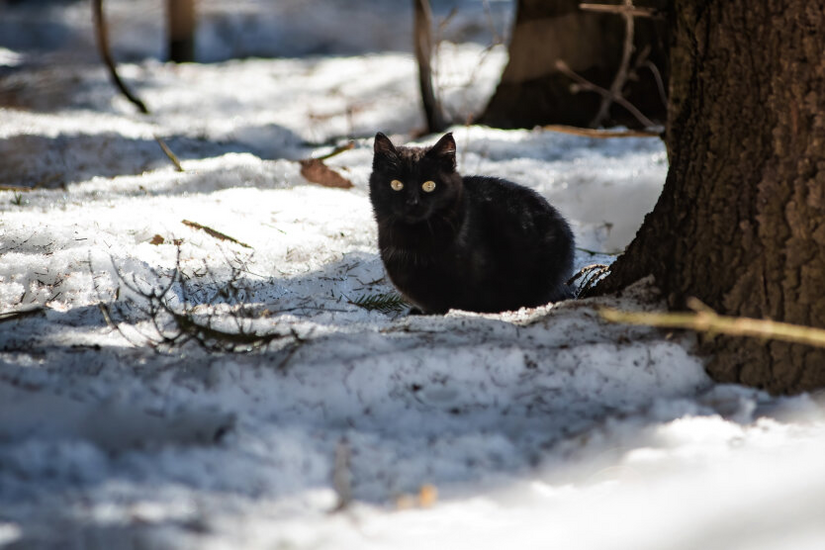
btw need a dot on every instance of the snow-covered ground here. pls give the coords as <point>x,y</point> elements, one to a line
<point>543,428</point>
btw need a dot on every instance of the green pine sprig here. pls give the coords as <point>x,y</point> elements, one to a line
<point>387,302</point>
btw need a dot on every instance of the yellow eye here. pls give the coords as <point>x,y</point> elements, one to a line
<point>396,185</point>
<point>428,186</point>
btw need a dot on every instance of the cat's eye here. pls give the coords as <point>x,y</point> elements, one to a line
<point>428,186</point>
<point>396,185</point>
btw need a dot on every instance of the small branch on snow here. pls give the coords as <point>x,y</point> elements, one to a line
<point>21,313</point>
<point>623,9</point>
<point>342,475</point>
<point>175,326</point>
<point>213,233</point>
<point>602,134</point>
<point>705,320</point>
<point>350,145</point>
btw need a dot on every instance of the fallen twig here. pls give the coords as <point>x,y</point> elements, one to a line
<point>623,9</point>
<point>597,133</point>
<point>21,313</point>
<point>342,475</point>
<point>172,156</point>
<point>213,233</point>
<point>337,151</point>
<point>704,319</point>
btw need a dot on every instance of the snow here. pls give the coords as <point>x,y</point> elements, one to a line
<point>539,428</point>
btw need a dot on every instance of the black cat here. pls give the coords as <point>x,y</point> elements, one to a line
<point>465,242</point>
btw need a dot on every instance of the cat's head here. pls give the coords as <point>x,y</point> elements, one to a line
<point>411,184</point>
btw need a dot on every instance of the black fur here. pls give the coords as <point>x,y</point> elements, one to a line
<point>473,243</point>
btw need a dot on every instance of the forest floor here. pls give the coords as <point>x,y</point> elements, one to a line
<point>337,425</point>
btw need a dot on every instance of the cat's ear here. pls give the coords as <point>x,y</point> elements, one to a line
<point>383,146</point>
<point>444,151</point>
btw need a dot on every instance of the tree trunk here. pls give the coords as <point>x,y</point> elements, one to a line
<point>740,223</point>
<point>532,90</point>
<point>181,30</point>
<point>423,45</point>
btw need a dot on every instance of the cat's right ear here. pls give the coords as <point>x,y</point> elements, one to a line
<point>444,151</point>
<point>383,146</point>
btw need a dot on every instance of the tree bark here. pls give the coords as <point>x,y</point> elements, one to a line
<point>740,223</point>
<point>181,30</point>
<point>533,91</point>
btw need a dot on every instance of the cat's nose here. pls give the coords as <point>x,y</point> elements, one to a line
<point>412,201</point>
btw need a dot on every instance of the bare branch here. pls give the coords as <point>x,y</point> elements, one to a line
<point>105,53</point>
<point>623,10</point>
<point>621,74</point>
<point>597,133</point>
<point>708,321</point>
<point>587,85</point>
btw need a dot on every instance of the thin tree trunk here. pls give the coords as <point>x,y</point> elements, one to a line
<point>181,30</point>
<point>423,38</point>
<point>740,223</point>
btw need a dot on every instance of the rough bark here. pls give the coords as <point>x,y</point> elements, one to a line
<point>740,223</point>
<point>532,90</point>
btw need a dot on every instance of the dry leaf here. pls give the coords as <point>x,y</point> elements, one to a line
<point>315,171</point>
<point>156,240</point>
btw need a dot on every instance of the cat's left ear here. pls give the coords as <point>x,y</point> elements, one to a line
<point>444,151</point>
<point>383,146</point>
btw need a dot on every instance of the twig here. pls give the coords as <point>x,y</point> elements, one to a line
<point>338,150</point>
<point>212,233</point>
<point>21,313</point>
<point>172,156</point>
<point>589,275</point>
<point>624,10</point>
<point>342,475</point>
<point>587,85</point>
<point>621,74</point>
<point>16,188</point>
<point>106,55</point>
<point>706,320</point>
<point>596,133</point>
<point>659,81</point>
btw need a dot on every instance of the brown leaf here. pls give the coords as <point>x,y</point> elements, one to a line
<point>315,171</point>
<point>157,239</point>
